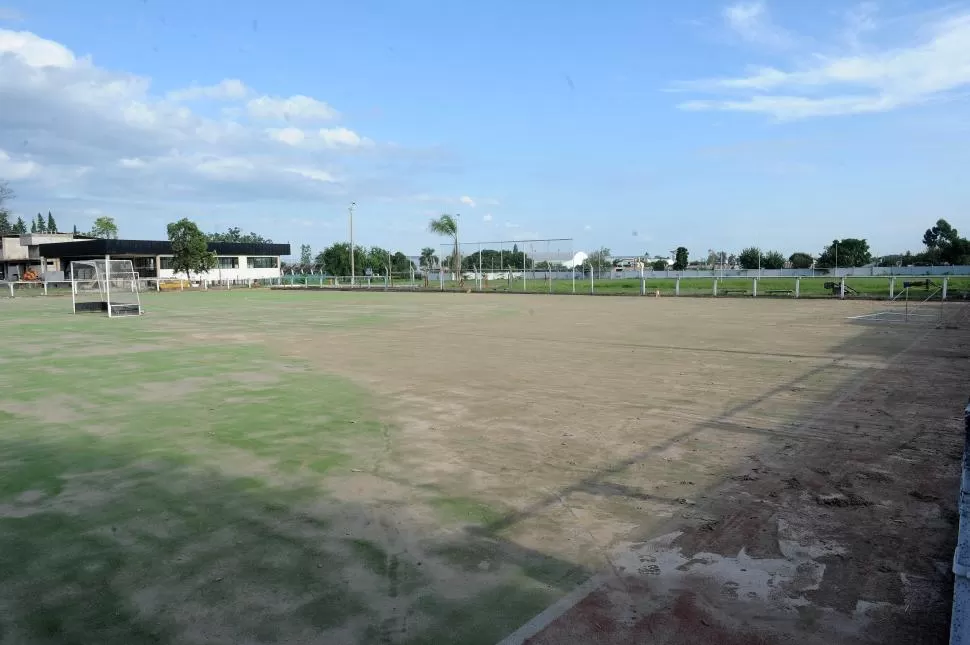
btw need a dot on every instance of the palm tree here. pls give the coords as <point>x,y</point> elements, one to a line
<point>447,226</point>
<point>428,261</point>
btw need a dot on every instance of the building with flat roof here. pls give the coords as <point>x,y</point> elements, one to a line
<point>50,256</point>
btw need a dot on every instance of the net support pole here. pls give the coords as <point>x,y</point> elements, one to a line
<point>574,279</point>
<point>892,287</point>
<point>946,286</point>
<point>714,290</point>
<point>677,286</point>
<point>107,282</point>
<point>10,284</point>
<point>754,288</point>
<point>798,287</point>
<point>643,283</point>
<point>842,288</point>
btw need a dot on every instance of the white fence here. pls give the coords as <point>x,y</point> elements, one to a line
<point>63,287</point>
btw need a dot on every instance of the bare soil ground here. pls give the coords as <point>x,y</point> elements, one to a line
<point>429,468</point>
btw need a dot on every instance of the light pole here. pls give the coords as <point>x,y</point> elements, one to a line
<point>836,257</point>
<point>353,205</point>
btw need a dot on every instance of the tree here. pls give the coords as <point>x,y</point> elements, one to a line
<point>598,259</point>
<point>944,244</point>
<point>750,258</point>
<point>772,260</point>
<point>33,226</point>
<point>190,249</point>
<point>20,228</point>
<point>680,258</point>
<point>428,261</point>
<point>234,234</point>
<point>659,265</point>
<point>41,224</point>
<point>75,231</point>
<point>850,252</point>
<point>306,255</point>
<point>335,259</point>
<point>51,224</point>
<point>447,226</point>
<point>6,195</point>
<point>801,260</point>
<point>105,228</point>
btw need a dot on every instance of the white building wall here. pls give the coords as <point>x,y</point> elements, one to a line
<point>218,274</point>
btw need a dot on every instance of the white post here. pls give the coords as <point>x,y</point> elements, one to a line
<point>946,285</point>
<point>480,267</point>
<point>107,281</point>
<point>754,288</point>
<point>798,287</point>
<point>643,282</point>
<point>714,291</point>
<point>591,287</point>
<point>45,287</point>
<point>574,278</point>
<point>10,284</point>
<point>892,287</point>
<point>158,284</point>
<point>842,288</point>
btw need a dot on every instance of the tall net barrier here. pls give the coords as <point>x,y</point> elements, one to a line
<point>105,286</point>
<point>537,266</point>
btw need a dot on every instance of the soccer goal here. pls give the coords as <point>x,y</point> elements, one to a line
<point>105,286</point>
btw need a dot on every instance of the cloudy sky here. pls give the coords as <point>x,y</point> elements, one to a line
<point>636,125</point>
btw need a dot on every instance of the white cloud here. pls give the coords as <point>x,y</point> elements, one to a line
<point>11,169</point>
<point>295,108</point>
<point>69,128</point>
<point>466,200</point>
<point>585,228</point>
<point>291,136</point>
<point>227,90</point>
<point>751,22</point>
<point>342,137</point>
<point>486,218</point>
<point>508,225</point>
<point>936,67</point>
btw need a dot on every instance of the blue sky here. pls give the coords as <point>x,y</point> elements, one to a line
<point>636,126</point>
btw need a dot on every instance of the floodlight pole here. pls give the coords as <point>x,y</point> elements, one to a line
<point>353,205</point>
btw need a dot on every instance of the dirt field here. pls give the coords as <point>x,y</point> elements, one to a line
<point>254,466</point>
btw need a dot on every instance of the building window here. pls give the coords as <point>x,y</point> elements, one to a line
<point>140,264</point>
<point>165,262</point>
<point>229,262</point>
<point>263,262</point>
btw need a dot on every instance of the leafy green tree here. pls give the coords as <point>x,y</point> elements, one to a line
<point>234,234</point>
<point>772,260</point>
<point>190,248</point>
<point>428,261</point>
<point>801,260</point>
<point>750,258</point>
<point>681,257</point>
<point>335,259</point>
<point>41,224</point>
<point>51,224</point>
<point>659,265</point>
<point>105,228</point>
<point>6,227</point>
<point>306,255</point>
<point>447,226</point>
<point>944,244</point>
<point>850,252</point>
<point>33,226</point>
<point>497,260</point>
<point>20,228</point>
<point>400,263</point>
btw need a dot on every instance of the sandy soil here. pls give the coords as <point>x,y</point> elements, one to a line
<point>752,469</point>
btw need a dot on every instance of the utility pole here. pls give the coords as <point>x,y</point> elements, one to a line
<point>353,205</point>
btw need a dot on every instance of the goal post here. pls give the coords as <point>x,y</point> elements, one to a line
<point>105,286</point>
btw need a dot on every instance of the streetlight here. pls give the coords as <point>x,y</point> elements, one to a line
<point>353,205</point>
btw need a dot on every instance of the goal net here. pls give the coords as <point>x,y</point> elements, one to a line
<point>105,286</point>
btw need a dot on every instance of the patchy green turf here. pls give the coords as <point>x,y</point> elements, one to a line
<point>169,480</point>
